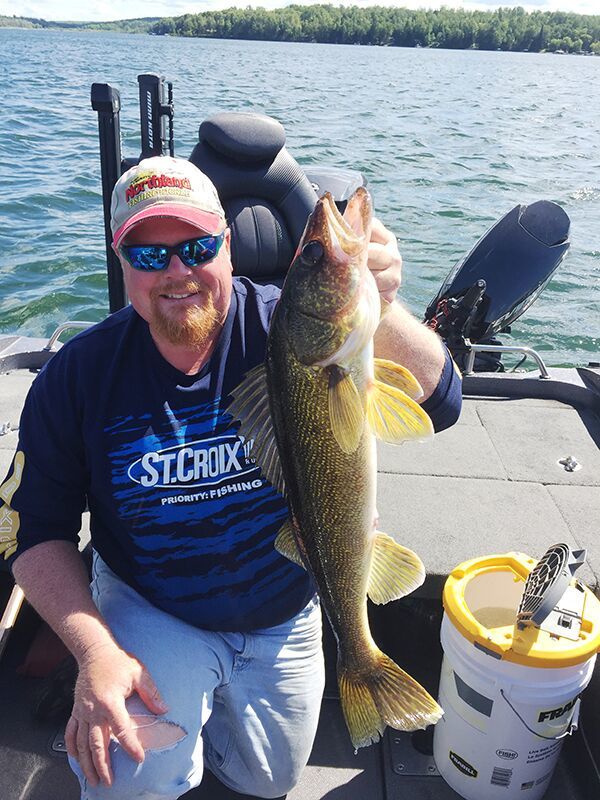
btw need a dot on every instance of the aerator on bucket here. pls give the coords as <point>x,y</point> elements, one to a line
<point>520,640</point>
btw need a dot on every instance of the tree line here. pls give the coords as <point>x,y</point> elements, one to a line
<point>503,29</point>
<point>119,26</point>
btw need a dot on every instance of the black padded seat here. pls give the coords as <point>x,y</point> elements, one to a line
<point>266,196</point>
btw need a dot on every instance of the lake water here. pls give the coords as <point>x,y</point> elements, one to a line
<point>449,141</point>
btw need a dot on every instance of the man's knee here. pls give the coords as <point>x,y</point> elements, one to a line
<point>276,783</point>
<point>272,782</point>
<point>163,775</point>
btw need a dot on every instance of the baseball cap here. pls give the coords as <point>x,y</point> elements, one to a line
<point>162,186</point>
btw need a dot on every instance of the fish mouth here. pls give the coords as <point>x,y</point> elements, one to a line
<point>329,275</point>
<point>341,236</point>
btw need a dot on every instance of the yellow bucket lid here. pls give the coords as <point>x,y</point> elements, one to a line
<point>481,598</point>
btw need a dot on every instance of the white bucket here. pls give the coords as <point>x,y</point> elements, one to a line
<point>509,697</point>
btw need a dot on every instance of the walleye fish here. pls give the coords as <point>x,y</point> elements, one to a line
<point>314,410</point>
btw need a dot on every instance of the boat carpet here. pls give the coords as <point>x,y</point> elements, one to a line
<point>30,769</point>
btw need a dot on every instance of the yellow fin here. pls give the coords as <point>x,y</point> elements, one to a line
<point>395,570</point>
<point>363,720</point>
<point>394,375</point>
<point>385,695</point>
<point>285,543</point>
<point>250,405</point>
<point>394,417</point>
<point>345,410</point>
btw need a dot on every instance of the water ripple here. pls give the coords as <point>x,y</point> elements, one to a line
<point>449,141</point>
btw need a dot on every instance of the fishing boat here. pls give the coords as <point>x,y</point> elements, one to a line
<point>519,472</point>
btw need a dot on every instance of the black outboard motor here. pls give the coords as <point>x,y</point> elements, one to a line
<point>499,279</point>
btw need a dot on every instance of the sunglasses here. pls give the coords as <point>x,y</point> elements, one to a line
<point>154,257</point>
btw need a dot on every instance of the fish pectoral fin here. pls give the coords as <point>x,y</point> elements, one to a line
<point>394,375</point>
<point>395,570</point>
<point>346,413</point>
<point>250,405</point>
<point>394,417</point>
<point>286,544</point>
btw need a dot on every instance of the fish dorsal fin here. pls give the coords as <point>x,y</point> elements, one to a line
<point>394,417</point>
<point>346,413</point>
<point>287,544</point>
<point>395,570</point>
<point>394,375</point>
<point>251,406</point>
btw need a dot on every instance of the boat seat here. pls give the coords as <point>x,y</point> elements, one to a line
<point>265,194</point>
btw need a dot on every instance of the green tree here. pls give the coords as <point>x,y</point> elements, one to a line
<point>503,29</point>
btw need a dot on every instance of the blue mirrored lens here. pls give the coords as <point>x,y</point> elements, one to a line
<point>197,251</point>
<point>147,258</point>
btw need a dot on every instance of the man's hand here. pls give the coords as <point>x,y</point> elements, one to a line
<point>385,261</point>
<point>107,677</point>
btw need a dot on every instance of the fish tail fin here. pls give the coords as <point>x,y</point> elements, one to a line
<point>386,695</point>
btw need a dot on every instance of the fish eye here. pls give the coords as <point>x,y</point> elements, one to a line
<point>312,252</point>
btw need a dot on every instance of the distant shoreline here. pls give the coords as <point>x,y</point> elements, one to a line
<point>276,41</point>
<point>506,29</point>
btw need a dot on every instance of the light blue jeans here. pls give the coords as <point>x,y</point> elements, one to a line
<point>246,704</point>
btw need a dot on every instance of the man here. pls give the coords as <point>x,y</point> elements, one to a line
<point>198,642</point>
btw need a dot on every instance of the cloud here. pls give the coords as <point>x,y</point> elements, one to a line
<point>577,6</point>
<point>100,10</point>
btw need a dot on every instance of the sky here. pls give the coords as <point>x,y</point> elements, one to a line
<point>96,10</point>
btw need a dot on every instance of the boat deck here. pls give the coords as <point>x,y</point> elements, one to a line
<point>491,484</point>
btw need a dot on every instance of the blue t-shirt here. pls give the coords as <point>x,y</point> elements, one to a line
<point>178,508</point>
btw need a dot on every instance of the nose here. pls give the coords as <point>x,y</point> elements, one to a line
<point>177,268</point>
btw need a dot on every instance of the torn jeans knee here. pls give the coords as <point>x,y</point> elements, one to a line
<point>156,733</point>
<point>154,779</point>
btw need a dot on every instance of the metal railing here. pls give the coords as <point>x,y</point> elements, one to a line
<point>65,326</point>
<point>497,348</point>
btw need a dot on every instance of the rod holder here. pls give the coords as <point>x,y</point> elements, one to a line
<point>106,101</point>
<point>156,115</point>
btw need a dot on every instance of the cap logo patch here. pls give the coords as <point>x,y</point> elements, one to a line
<point>152,185</point>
